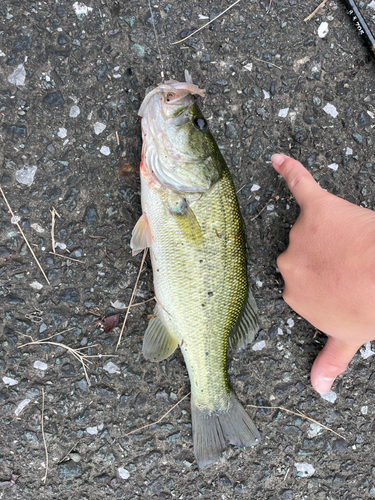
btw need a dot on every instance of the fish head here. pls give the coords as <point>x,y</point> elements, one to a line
<point>179,151</point>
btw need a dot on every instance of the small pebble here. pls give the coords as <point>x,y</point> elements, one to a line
<point>259,283</point>
<point>39,365</point>
<point>254,187</point>
<point>283,113</point>
<point>290,322</point>
<point>364,410</point>
<point>258,346</point>
<point>330,396</point>
<point>92,430</point>
<point>21,406</point>
<point>9,381</point>
<point>330,110</point>
<point>99,127</point>
<point>105,150</point>
<point>37,227</point>
<point>36,285</point>
<point>18,76</point>
<point>333,166</point>
<point>366,351</point>
<point>74,111</point>
<point>62,133</point>
<point>249,66</point>
<point>323,30</point>
<point>315,429</point>
<point>111,367</point>
<point>123,473</point>
<point>304,469</point>
<point>26,175</point>
<point>80,8</point>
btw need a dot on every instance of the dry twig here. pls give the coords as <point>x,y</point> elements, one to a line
<point>132,296</point>
<point>267,62</point>
<point>53,213</point>
<point>160,419</point>
<point>209,22</point>
<point>66,257</point>
<point>44,438</point>
<point>82,358</point>
<point>265,206</point>
<point>299,414</point>
<point>315,11</point>
<point>24,237</point>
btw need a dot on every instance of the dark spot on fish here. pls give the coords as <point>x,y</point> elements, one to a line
<point>203,305</point>
<point>200,262</point>
<point>206,353</point>
<point>157,270</point>
<point>217,234</point>
<point>210,294</point>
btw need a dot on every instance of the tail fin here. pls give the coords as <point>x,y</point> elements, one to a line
<point>212,431</point>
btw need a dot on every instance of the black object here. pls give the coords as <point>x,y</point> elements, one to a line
<point>360,23</point>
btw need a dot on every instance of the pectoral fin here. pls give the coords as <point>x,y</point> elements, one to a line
<point>158,342</point>
<point>141,235</point>
<point>185,218</point>
<point>247,324</point>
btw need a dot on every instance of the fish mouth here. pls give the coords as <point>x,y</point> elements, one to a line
<point>175,96</point>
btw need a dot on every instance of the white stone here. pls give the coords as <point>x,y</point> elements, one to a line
<point>259,283</point>
<point>366,351</point>
<point>201,16</point>
<point>280,332</point>
<point>290,322</point>
<point>74,111</point>
<point>60,245</point>
<point>39,365</point>
<point>330,396</point>
<point>304,469</point>
<point>333,166</point>
<point>330,110</point>
<point>36,285</point>
<point>254,187</point>
<point>111,367</point>
<point>105,150</point>
<point>323,30</point>
<point>270,206</point>
<point>266,94</point>
<point>18,76</point>
<point>117,75</point>
<point>364,410</point>
<point>81,8</point>
<point>2,54</point>
<point>258,346</point>
<point>371,5</point>
<point>99,127</point>
<point>37,227</point>
<point>14,220</point>
<point>21,406</point>
<point>92,430</point>
<point>26,175</point>
<point>123,473</point>
<point>62,132</point>
<point>9,381</point>
<point>283,113</point>
<point>249,66</point>
<point>315,429</point>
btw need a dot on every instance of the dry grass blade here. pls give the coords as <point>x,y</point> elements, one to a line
<point>209,22</point>
<point>267,62</point>
<point>315,11</point>
<point>82,358</point>
<point>160,419</point>
<point>299,414</point>
<point>132,297</point>
<point>53,213</point>
<point>156,41</point>
<point>24,237</point>
<point>66,257</point>
<point>44,439</point>
<point>265,206</point>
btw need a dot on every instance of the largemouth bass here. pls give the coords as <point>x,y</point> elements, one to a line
<point>192,225</point>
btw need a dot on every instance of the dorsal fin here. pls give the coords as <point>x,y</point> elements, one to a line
<point>247,325</point>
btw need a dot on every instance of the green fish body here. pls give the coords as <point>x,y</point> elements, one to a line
<point>192,225</point>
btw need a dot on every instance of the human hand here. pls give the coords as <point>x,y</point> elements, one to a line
<point>329,270</point>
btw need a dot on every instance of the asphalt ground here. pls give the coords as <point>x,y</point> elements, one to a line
<point>72,77</point>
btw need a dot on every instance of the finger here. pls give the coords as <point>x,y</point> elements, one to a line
<point>332,360</point>
<point>299,180</point>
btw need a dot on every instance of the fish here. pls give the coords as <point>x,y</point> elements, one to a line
<point>192,226</point>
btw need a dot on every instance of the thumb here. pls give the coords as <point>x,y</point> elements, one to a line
<point>332,360</point>
<point>299,180</point>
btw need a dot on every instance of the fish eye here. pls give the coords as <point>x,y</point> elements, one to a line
<point>200,123</point>
<point>170,96</point>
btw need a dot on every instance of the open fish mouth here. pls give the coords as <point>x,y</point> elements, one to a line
<point>175,96</point>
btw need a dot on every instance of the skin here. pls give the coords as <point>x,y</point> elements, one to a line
<point>329,270</point>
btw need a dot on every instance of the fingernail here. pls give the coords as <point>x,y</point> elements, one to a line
<point>277,161</point>
<point>323,384</point>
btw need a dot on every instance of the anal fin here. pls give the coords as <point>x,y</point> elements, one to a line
<point>158,342</point>
<point>247,325</point>
<point>141,235</point>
